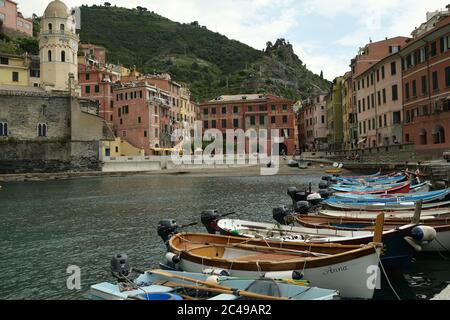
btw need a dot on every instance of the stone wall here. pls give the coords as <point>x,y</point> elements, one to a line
<point>74,132</point>
<point>23,113</point>
<point>394,153</point>
<point>48,156</point>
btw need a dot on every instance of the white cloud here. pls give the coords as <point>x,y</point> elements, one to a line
<point>255,22</point>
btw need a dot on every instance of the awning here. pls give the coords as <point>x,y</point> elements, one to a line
<point>163,149</point>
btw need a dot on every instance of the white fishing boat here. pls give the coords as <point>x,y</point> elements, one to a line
<point>348,269</point>
<point>425,214</point>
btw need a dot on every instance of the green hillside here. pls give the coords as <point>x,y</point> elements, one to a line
<point>209,62</point>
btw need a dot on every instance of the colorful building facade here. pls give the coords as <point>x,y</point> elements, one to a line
<point>376,76</point>
<point>334,119</point>
<point>253,111</point>
<point>426,85</point>
<point>13,19</point>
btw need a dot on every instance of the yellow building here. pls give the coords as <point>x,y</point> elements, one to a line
<point>120,148</point>
<point>13,70</point>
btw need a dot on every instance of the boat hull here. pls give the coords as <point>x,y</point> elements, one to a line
<point>344,277</point>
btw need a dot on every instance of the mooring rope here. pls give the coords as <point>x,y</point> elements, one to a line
<point>385,274</point>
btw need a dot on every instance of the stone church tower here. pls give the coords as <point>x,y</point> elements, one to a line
<point>58,48</point>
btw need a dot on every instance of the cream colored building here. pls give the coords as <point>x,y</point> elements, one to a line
<point>58,47</point>
<point>13,70</point>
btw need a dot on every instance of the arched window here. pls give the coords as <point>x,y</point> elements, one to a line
<point>50,28</point>
<point>49,55</point>
<point>439,134</point>
<point>42,130</point>
<point>63,56</point>
<point>3,129</point>
<point>423,136</point>
<point>62,28</point>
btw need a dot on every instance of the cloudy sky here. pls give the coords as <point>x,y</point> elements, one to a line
<point>326,34</point>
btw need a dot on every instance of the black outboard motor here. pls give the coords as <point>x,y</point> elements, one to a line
<point>326,193</point>
<point>120,267</point>
<point>327,178</point>
<point>167,228</point>
<point>303,207</point>
<point>282,215</point>
<point>323,185</point>
<point>209,219</point>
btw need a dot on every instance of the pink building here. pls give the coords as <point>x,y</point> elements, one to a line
<point>12,19</point>
<point>142,115</point>
<point>315,126</point>
<point>376,73</point>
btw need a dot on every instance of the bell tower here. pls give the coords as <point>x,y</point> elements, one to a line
<point>58,48</point>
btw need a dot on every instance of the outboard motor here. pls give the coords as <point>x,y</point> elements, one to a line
<point>282,215</point>
<point>303,207</point>
<point>167,228</point>
<point>209,219</point>
<point>120,267</point>
<point>327,178</point>
<point>314,199</point>
<point>326,193</point>
<point>292,191</point>
<point>323,185</point>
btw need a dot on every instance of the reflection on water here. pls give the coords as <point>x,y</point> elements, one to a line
<point>48,226</point>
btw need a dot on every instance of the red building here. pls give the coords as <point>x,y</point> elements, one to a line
<point>252,111</point>
<point>142,115</point>
<point>96,80</point>
<point>426,85</point>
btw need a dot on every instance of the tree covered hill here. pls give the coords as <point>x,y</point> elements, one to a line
<point>210,63</point>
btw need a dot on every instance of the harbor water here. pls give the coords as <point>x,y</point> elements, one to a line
<point>48,226</point>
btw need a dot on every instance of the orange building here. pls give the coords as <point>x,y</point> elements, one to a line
<point>12,19</point>
<point>253,111</point>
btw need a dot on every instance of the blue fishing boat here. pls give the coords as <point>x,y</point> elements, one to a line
<point>176,285</point>
<point>425,197</point>
<point>387,180</point>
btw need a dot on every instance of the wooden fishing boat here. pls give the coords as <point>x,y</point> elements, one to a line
<point>425,197</point>
<point>380,189</point>
<point>426,214</point>
<point>368,182</point>
<point>332,266</point>
<point>441,226</point>
<point>378,174</point>
<point>398,253</point>
<point>334,171</point>
<point>175,285</point>
<point>382,206</point>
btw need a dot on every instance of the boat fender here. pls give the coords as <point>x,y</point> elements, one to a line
<point>287,275</point>
<point>423,234</point>
<point>217,272</point>
<point>413,244</point>
<point>172,258</point>
<point>212,280</point>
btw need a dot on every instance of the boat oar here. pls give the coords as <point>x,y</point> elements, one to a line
<point>216,287</point>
